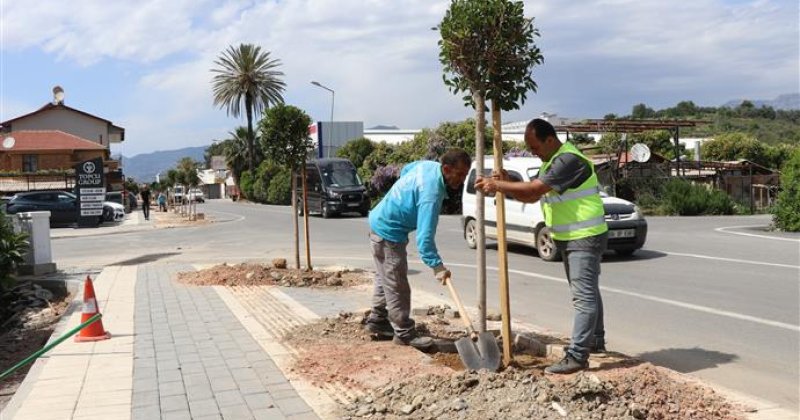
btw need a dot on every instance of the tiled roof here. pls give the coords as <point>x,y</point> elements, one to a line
<point>40,140</point>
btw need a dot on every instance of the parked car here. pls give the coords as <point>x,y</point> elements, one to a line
<point>627,228</point>
<point>113,212</point>
<point>116,197</point>
<point>178,194</point>
<point>196,194</point>
<point>333,188</point>
<point>62,205</point>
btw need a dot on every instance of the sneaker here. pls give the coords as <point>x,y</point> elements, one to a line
<point>414,340</point>
<point>382,328</point>
<point>567,365</point>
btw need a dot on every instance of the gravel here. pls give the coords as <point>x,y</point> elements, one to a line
<point>641,392</point>
<point>397,382</point>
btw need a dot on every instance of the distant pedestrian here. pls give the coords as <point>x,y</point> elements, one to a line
<point>145,194</point>
<point>162,201</point>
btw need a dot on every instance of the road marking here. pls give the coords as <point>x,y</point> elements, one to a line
<point>699,308</point>
<point>708,257</point>
<point>774,238</point>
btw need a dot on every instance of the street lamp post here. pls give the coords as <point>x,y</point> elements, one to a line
<point>333,99</point>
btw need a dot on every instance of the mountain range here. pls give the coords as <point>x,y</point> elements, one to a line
<point>788,101</point>
<point>144,167</point>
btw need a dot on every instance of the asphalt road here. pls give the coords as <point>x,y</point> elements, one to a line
<point>716,297</point>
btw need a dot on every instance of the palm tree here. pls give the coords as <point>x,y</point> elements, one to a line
<point>236,152</point>
<point>245,74</point>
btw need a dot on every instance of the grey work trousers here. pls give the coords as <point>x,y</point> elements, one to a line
<point>391,299</point>
<point>583,275</point>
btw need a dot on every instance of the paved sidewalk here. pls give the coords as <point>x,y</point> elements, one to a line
<point>176,352</point>
<point>133,222</point>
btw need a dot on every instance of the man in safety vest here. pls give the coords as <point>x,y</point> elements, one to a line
<point>568,189</point>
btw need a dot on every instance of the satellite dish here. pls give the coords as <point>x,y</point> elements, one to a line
<point>640,152</point>
<point>9,142</point>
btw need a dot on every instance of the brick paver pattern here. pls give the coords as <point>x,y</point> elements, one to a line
<point>194,360</point>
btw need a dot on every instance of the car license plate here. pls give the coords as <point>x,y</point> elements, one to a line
<point>622,233</point>
<point>353,204</point>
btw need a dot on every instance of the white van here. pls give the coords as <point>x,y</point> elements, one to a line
<point>525,222</point>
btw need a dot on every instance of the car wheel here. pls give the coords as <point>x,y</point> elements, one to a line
<point>326,211</point>
<point>364,213</point>
<point>471,233</point>
<point>625,252</point>
<point>546,246</point>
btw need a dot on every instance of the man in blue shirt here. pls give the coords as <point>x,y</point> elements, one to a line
<point>413,203</point>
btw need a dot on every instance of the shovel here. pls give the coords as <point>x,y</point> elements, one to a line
<point>477,351</point>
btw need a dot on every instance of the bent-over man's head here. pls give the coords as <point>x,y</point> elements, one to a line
<point>455,166</point>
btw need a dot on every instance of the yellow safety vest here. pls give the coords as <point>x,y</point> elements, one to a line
<point>577,212</point>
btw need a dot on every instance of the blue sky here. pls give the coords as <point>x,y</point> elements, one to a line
<point>145,65</point>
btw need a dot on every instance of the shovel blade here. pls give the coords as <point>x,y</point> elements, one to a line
<point>480,354</point>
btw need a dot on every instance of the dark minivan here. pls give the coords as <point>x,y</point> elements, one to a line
<point>334,188</point>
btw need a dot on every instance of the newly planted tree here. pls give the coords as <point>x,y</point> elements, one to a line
<point>284,139</point>
<point>488,52</point>
<point>246,76</point>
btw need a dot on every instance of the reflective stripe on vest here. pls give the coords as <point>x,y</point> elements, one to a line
<point>570,195</point>
<point>578,212</point>
<point>579,225</point>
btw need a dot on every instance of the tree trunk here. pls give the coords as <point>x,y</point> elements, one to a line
<point>251,147</point>
<point>480,254</point>
<point>295,222</point>
<point>502,256</point>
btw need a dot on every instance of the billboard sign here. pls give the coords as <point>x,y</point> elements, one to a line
<point>90,187</point>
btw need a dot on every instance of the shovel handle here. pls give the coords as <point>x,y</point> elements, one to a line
<point>461,310</point>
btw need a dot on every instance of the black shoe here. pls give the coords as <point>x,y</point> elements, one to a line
<point>414,340</point>
<point>382,329</point>
<point>567,365</point>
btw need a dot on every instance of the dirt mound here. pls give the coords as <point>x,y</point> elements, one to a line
<point>401,382</point>
<point>249,274</point>
<point>339,351</point>
<point>642,392</point>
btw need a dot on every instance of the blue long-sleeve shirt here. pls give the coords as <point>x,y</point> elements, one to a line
<point>413,203</point>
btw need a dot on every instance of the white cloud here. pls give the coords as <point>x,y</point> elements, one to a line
<point>382,58</point>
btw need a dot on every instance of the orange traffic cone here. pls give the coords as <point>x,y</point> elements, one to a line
<point>95,330</point>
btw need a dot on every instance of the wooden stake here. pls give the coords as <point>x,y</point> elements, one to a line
<point>305,216</point>
<point>502,261</point>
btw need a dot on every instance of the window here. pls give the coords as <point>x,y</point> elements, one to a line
<point>30,163</point>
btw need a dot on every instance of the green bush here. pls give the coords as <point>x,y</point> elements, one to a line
<point>786,212</point>
<point>246,184</point>
<point>686,199</point>
<point>280,189</point>
<point>12,247</point>
<point>356,150</point>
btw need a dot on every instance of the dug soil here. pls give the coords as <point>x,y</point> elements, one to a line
<point>394,381</point>
<point>276,274</point>
<point>28,315</point>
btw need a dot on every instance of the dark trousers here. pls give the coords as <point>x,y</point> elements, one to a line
<point>146,209</point>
